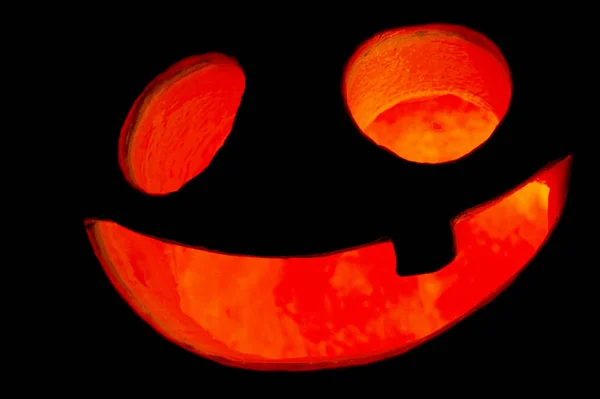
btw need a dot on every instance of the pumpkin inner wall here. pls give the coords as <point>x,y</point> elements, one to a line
<point>179,122</point>
<point>429,94</point>
<point>340,309</point>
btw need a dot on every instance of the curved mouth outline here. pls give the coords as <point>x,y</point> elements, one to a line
<point>558,170</point>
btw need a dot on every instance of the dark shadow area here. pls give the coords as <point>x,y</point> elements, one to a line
<point>296,177</point>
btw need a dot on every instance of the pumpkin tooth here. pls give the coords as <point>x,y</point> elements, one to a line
<point>179,122</point>
<point>414,255</point>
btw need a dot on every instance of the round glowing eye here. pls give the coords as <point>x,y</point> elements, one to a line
<point>430,94</point>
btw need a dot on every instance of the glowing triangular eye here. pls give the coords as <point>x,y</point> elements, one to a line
<point>179,122</point>
<point>430,94</point>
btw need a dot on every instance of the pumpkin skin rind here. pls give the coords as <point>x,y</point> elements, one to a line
<point>260,300</point>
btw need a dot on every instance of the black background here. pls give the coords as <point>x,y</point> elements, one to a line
<point>527,331</point>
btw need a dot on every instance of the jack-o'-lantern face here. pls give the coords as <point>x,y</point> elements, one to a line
<point>433,97</point>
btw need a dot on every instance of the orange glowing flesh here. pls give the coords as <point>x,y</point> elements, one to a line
<point>179,122</point>
<point>429,94</point>
<point>341,309</point>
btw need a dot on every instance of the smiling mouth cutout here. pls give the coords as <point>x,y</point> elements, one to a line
<point>429,94</point>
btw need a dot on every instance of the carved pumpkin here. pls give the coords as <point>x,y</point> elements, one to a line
<point>429,94</point>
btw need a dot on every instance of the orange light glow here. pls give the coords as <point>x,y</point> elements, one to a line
<point>176,126</point>
<point>429,94</point>
<point>335,310</point>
